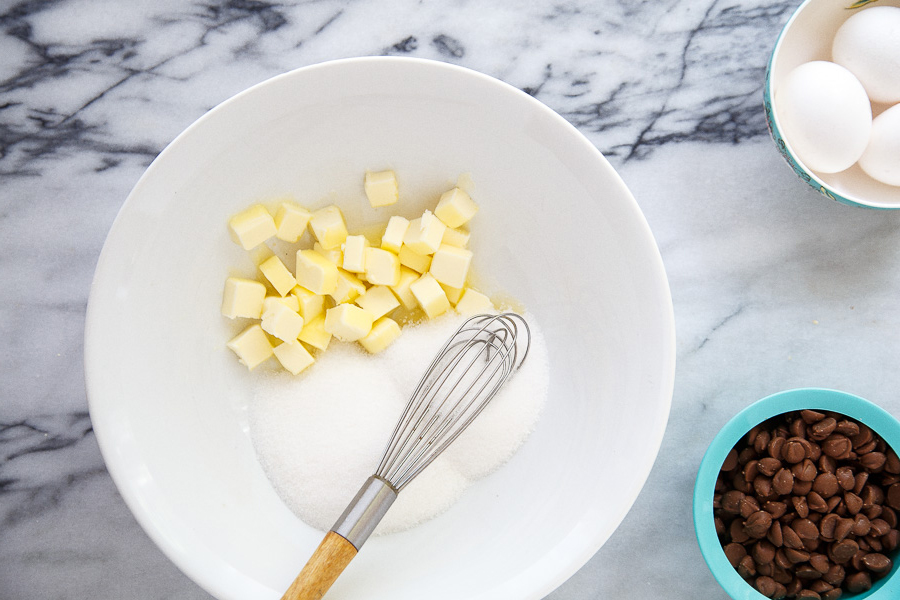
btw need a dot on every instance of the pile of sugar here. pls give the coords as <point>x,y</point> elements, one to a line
<point>319,436</point>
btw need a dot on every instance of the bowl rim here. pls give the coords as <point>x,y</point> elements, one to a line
<point>873,416</point>
<point>577,552</point>
<point>784,146</point>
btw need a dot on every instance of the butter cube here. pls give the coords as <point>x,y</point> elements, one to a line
<point>355,253</point>
<point>382,267</point>
<point>293,356</point>
<point>334,255</point>
<point>378,300</point>
<point>348,322</point>
<point>251,346</point>
<point>412,259</point>
<point>455,208</point>
<point>282,322</point>
<point>252,227</point>
<point>456,237</point>
<point>402,291</point>
<point>309,305</point>
<point>450,265</point>
<point>381,188</point>
<point>243,298</point>
<point>453,294</point>
<point>278,275</point>
<point>291,220</point>
<point>473,302</point>
<point>384,332</point>
<point>348,287</point>
<point>261,254</point>
<point>314,334</point>
<point>430,296</point>
<point>328,226</point>
<point>315,272</point>
<point>425,233</point>
<point>393,234</point>
<point>290,301</point>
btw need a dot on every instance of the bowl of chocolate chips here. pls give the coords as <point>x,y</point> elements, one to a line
<point>798,496</point>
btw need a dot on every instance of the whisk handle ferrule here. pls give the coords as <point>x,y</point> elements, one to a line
<point>341,544</point>
<point>366,510</point>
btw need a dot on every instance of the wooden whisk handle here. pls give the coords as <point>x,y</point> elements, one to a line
<point>323,568</point>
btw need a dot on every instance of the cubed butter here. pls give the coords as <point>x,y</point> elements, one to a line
<point>456,237</point>
<point>430,295</point>
<point>328,226</point>
<point>393,233</point>
<point>252,227</point>
<point>278,275</point>
<point>290,301</point>
<point>293,356</point>
<point>424,234</point>
<point>243,298</point>
<point>348,322</point>
<point>348,287</point>
<point>402,291</point>
<point>450,265</point>
<point>355,253</point>
<point>335,255</point>
<point>412,259</point>
<point>315,272</point>
<point>473,302</point>
<point>260,254</point>
<point>382,267</point>
<point>309,305</point>
<point>251,346</point>
<point>381,188</point>
<point>291,220</point>
<point>314,334</point>
<point>455,208</point>
<point>282,322</point>
<point>378,300</point>
<point>453,294</point>
<point>384,332</point>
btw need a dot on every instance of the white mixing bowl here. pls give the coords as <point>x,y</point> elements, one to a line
<point>557,230</point>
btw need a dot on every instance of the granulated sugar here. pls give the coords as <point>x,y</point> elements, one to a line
<point>319,436</point>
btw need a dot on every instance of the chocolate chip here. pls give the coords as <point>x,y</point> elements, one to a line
<point>837,446</point>
<point>790,537</point>
<point>827,526</point>
<point>801,488</point>
<point>758,524</point>
<point>891,540</point>
<point>783,482</point>
<point>841,552</point>
<point>774,534</point>
<point>761,441</point>
<point>749,505</point>
<point>775,447</point>
<point>842,529</point>
<point>747,567</point>
<point>768,466</point>
<point>796,556</point>
<point>879,527</point>
<point>763,552</point>
<point>835,575</point>
<point>808,595</point>
<point>806,529</point>
<point>877,563</point>
<point>826,485</point>
<point>731,461</point>
<point>847,428</point>
<point>800,506</point>
<point>853,503</point>
<point>873,461</point>
<point>751,470</point>
<point>811,416</point>
<point>794,451</point>
<point>776,509</point>
<point>858,582</point>
<point>832,594</point>
<point>734,552</point>
<point>893,496</point>
<point>819,562</point>
<point>845,478</point>
<point>805,471</point>
<point>861,479</point>
<point>861,525</point>
<point>816,502</point>
<point>823,429</point>
<point>892,463</point>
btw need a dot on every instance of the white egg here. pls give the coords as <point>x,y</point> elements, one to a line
<point>881,160</point>
<point>868,44</point>
<point>825,115</point>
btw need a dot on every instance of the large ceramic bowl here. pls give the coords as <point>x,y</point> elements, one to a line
<point>808,36</point>
<point>557,230</point>
<point>858,409</point>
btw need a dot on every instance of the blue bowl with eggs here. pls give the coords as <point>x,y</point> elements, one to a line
<point>862,411</point>
<point>835,125</point>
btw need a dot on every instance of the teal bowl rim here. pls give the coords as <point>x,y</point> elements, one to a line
<point>802,172</point>
<point>873,416</point>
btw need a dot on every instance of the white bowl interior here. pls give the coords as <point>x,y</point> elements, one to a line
<point>558,230</point>
<point>806,37</point>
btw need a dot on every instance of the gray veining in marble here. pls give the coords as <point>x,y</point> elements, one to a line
<point>774,286</point>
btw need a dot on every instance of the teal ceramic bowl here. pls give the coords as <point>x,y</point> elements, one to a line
<point>863,411</point>
<point>808,36</point>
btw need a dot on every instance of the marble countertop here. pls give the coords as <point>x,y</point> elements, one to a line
<point>774,286</point>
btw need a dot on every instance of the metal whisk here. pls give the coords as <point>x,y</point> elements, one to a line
<point>465,374</point>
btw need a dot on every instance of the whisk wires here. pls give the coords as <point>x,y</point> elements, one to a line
<point>464,376</point>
